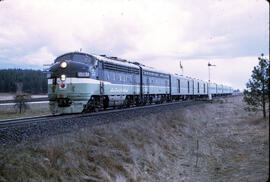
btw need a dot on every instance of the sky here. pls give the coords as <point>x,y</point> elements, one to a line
<point>230,34</point>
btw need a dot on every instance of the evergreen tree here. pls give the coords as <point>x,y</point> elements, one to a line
<point>257,93</point>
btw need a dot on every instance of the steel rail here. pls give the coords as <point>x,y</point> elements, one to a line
<point>23,121</point>
<point>38,119</point>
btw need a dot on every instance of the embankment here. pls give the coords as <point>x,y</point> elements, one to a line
<point>216,141</point>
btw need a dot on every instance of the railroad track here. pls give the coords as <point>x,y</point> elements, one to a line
<point>38,119</point>
<point>30,120</point>
<point>14,131</point>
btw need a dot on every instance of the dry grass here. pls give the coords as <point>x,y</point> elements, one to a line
<point>36,109</point>
<point>160,147</point>
<point>11,112</point>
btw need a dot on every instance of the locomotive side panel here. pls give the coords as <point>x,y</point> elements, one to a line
<point>121,81</point>
<point>155,83</point>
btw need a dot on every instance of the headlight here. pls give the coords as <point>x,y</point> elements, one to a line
<point>83,74</point>
<point>63,64</point>
<point>63,77</point>
<point>49,75</point>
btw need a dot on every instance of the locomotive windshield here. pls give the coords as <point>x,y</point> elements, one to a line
<point>78,57</point>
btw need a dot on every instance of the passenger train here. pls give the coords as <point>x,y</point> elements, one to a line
<point>81,82</point>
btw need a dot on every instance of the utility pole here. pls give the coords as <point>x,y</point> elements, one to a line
<point>181,68</point>
<point>209,64</point>
<point>209,84</point>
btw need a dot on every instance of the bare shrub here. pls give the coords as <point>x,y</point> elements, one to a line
<point>20,102</point>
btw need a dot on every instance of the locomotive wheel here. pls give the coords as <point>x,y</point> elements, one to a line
<point>127,102</point>
<point>150,100</point>
<point>137,102</point>
<point>95,109</point>
<point>105,102</point>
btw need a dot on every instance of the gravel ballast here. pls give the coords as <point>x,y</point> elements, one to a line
<point>16,134</point>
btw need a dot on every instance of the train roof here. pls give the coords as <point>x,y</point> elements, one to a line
<point>104,58</point>
<point>115,60</point>
<point>82,53</point>
<point>119,61</point>
<point>147,68</point>
<point>187,77</point>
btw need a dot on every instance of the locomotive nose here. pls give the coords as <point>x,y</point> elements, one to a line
<point>67,69</point>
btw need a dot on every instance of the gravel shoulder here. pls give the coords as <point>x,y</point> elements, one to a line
<point>216,141</point>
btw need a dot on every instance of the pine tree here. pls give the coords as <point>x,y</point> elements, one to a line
<point>257,93</point>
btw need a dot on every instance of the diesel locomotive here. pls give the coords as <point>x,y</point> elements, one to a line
<point>81,82</point>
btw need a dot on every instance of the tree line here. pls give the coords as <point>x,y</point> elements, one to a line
<point>32,81</point>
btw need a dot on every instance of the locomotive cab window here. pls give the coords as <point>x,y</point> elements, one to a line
<point>82,58</point>
<point>78,57</point>
<point>64,57</point>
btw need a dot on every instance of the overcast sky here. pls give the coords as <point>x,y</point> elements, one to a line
<point>159,33</point>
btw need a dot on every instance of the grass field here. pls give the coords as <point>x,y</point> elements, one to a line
<point>8,111</point>
<point>36,109</point>
<point>209,142</point>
